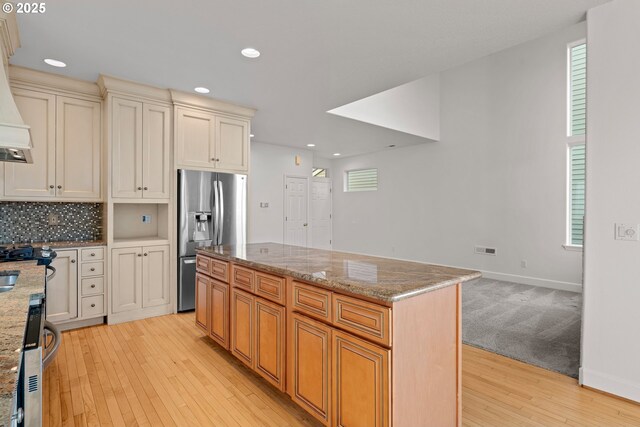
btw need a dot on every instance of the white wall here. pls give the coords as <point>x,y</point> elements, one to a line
<point>611,318</point>
<point>496,178</point>
<point>269,164</point>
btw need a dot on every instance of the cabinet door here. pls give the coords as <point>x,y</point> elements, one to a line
<point>78,148</point>
<point>156,140</point>
<point>310,359</point>
<point>219,312</point>
<point>126,146</point>
<point>155,276</point>
<point>195,139</point>
<point>202,302</point>
<point>270,342</point>
<point>37,179</point>
<point>62,290</point>
<point>126,279</point>
<point>242,334</point>
<point>232,144</point>
<point>361,382</point>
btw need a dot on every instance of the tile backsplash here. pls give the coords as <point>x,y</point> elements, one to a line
<point>52,222</point>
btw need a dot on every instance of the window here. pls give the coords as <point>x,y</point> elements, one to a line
<point>319,173</point>
<point>576,129</point>
<point>361,180</point>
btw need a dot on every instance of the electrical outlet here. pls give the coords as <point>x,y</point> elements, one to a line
<point>523,263</point>
<point>626,231</point>
<point>264,204</point>
<point>53,219</point>
<point>146,219</point>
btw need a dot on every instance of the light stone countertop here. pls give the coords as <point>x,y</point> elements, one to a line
<point>14,307</point>
<point>382,279</point>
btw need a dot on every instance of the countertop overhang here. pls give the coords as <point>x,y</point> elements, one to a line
<point>383,279</point>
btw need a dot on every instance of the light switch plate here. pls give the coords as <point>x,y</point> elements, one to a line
<point>626,231</point>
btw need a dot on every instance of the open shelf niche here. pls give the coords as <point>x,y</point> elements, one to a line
<point>140,223</point>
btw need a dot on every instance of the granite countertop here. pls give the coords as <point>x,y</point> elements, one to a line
<point>14,307</point>
<point>66,244</point>
<point>382,279</point>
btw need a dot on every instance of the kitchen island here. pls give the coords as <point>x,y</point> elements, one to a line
<point>355,340</point>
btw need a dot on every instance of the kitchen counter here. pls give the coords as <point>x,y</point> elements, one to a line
<point>14,307</point>
<point>382,279</point>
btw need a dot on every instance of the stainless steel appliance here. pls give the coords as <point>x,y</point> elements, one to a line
<point>212,210</point>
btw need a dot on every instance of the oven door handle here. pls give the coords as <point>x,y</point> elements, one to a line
<point>52,269</point>
<point>51,350</point>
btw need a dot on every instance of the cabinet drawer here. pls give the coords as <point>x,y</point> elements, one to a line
<point>362,318</point>
<point>270,287</point>
<point>242,278</point>
<point>92,286</point>
<point>202,264</point>
<point>93,254</point>
<point>93,306</point>
<point>219,270</point>
<point>92,269</point>
<point>312,301</point>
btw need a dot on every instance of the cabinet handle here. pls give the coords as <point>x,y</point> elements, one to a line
<point>52,186</point>
<point>92,269</point>
<point>73,261</point>
<point>93,305</point>
<point>93,286</point>
<point>59,187</point>
<point>93,254</point>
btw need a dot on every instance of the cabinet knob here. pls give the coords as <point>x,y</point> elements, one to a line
<point>52,186</point>
<point>73,261</point>
<point>93,286</point>
<point>59,187</point>
<point>139,254</point>
<point>93,305</point>
<point>146,254</point>
<point>146,188</point>
<point>92,269</point>
<point>139,188</point>
<point>93,254</point>
<point>213,159</point>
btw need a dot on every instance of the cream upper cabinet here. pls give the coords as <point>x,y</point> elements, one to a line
<point>78,154</point>
<point>126,148</point>
<point>140,143</point>
<point>232,144</point>
<point>66,136</point>
<point>195,139</point>
<point>213,142</point>
<point>156,144</point>
<point>37,179</point>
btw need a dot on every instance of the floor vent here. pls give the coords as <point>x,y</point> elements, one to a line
<point>483,250</point>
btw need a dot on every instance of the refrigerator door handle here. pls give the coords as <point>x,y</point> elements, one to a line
<point>221,218</point>
<point>216,215</point>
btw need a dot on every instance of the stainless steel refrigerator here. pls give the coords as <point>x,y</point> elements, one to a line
<point>212,210</point>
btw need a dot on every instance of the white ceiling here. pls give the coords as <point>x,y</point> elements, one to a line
<point>316,54</point>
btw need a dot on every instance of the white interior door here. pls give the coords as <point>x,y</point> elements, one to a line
<point>321,213</point>
<point>295,211</point>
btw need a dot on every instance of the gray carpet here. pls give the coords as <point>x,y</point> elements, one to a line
<point>535,325</point>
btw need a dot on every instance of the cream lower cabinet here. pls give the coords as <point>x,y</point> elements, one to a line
<point>139,278</point>
<point>62,289</point>
<point>140,147</point>
<point>205,140</point>
<point>66,150</point>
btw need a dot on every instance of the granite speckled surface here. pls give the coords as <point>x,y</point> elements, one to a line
<point>382,279</point>
<point>14,306</point>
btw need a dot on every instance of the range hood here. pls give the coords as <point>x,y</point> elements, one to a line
<point>15,139</point>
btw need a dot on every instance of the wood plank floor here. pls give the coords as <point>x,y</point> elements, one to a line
<point>164,372</point>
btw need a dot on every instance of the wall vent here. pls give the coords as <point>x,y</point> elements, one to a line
<point>485,250</point>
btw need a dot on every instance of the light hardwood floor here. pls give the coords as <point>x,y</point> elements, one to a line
<point>164,372</point>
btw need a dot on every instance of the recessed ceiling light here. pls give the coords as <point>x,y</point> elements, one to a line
<point>336,154</point>
<point>250,52</point>
<point>201,89</point>
<point>251,135</point>
<point>55,63</point>
<point>311,145</point>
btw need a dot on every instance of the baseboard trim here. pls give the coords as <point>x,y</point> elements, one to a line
<point>609,384</point>
<point>533,281</point>
<point>139,314</point>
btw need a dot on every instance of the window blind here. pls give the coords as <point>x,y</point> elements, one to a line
<point>362,180</point>
<point>577,186</point>
<point>578,89</point>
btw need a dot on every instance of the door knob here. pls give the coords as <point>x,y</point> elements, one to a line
<point>304,225</point>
